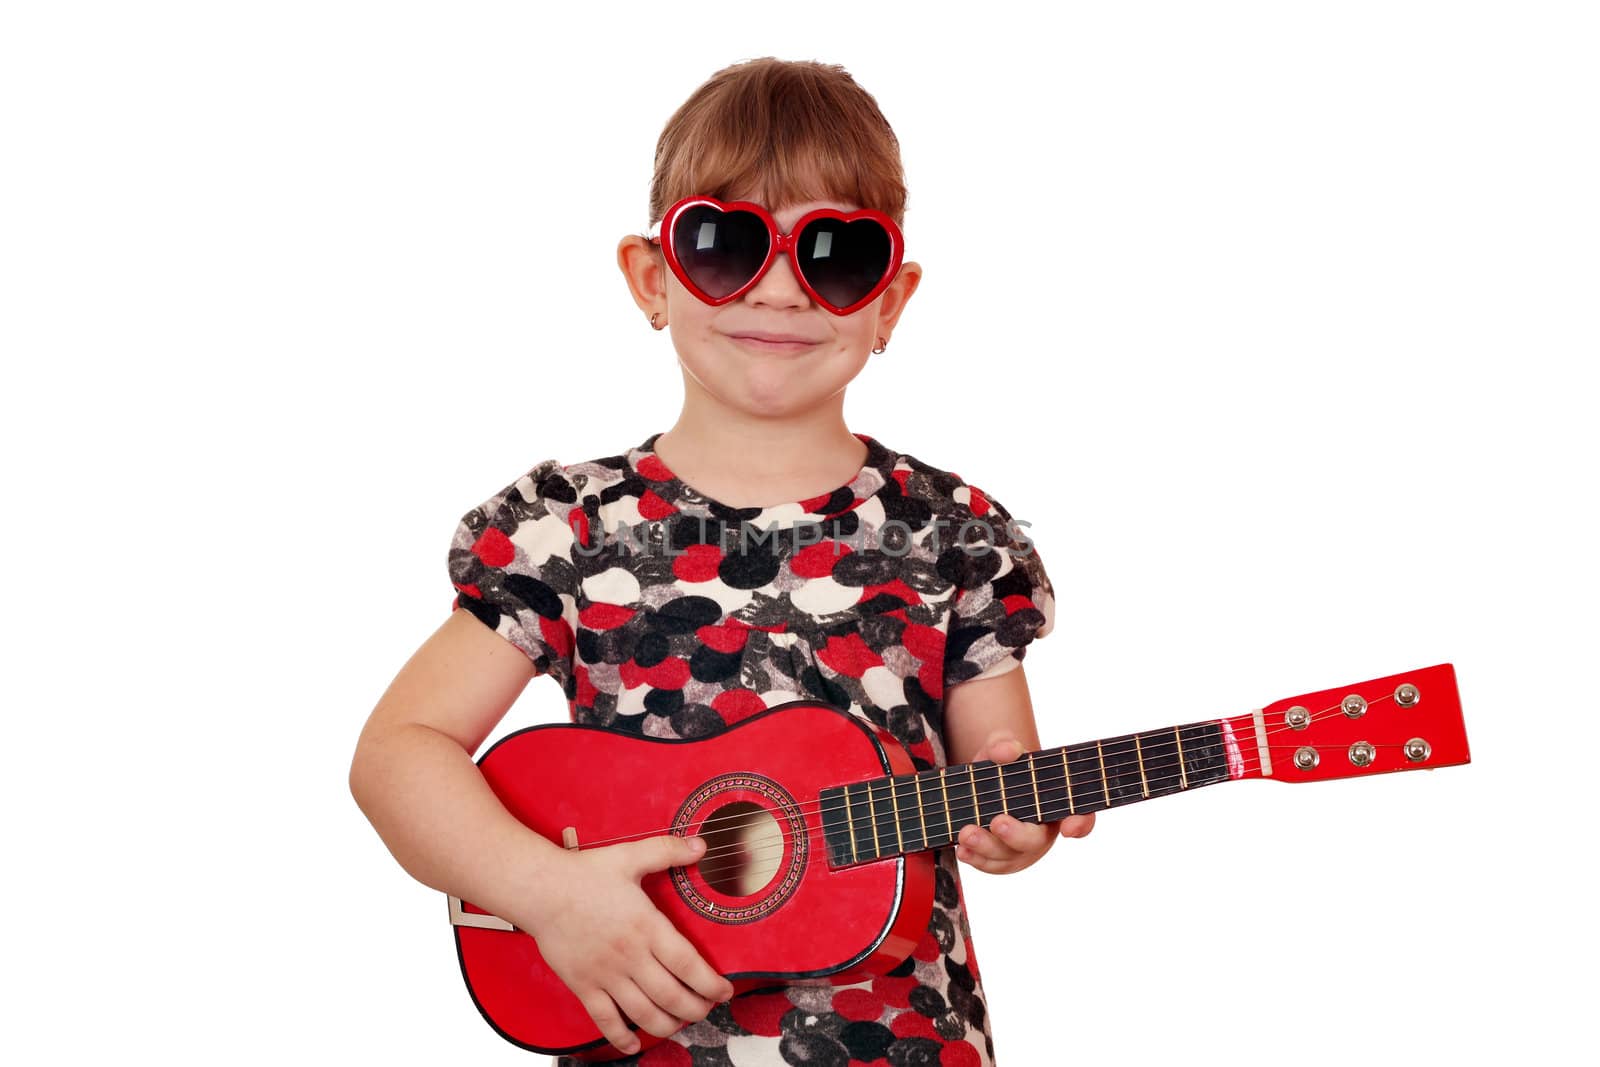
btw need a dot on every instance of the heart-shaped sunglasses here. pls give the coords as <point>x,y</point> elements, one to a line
<point>719,250</point>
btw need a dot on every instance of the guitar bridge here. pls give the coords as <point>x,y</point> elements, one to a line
<point>460,916</point>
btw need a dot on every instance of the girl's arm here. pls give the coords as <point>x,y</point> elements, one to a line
<point>992,718</point>
<point>414,777</point>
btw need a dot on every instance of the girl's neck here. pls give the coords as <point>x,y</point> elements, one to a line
<point>761,462</point>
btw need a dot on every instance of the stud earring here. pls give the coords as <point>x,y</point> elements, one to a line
<point>883,342</point>
<point>654,315</point>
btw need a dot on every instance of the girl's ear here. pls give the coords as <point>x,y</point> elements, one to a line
<point>897,294</point>
<point>645,269</point>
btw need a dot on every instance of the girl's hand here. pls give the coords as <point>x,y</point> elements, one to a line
<point>603,936</point>
<point>1010,845</point>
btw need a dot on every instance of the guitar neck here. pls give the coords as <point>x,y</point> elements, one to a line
<point>899,814</point>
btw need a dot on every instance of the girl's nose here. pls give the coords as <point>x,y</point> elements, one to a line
<point>779,287</point>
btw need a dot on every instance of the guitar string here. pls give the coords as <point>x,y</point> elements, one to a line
<point>747,852</point>
<point>1173,743</point>
<point>993,787</point>
<point>996,785</point>
<point>1244,736</point>
<point>816,835</point>
<point>1119,770</point>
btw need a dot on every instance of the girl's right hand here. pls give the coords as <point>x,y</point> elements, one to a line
<point>603,936</point>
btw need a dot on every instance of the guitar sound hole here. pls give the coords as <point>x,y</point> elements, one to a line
<point>743,847</point>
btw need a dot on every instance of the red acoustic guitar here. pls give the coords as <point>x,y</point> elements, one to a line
<point>818,827</point>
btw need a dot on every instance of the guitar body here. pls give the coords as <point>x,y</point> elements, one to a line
<point>762,905</point>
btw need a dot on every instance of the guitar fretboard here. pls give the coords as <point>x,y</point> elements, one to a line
<point>889,816</point>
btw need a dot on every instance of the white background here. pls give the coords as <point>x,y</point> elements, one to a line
<point>1287,359</point>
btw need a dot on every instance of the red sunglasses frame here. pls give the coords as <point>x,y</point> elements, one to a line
<point>779,243</point>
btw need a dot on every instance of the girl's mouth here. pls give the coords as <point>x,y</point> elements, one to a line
<point>775,343</point>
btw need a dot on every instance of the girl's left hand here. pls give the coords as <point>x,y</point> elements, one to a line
<point>1010,845</point>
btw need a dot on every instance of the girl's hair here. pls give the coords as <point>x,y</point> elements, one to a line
<point>780,132</point>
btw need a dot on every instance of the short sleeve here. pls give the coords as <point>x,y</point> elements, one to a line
<point>511,565</point>
<point>1003,598</point>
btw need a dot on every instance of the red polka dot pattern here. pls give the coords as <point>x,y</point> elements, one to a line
<point>761,1013</point>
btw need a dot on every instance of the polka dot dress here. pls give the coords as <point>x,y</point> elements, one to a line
<point>663,612</point>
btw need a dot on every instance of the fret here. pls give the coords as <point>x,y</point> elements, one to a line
<point>1087,789</point>
<point>1017,791</point>
<point>835,827</point>
<point>872,820</point>
<point>944,791</point>
<point>912,837</point>
<point>1205,759</point>
<point>1100,757</point>
<point>1055,785</point>
<point>1163,768</point>
<point>850,823</point>
<point>963,798</point>
<point>859,805</point>
<point>915,812</point>
<point>989,790</point>
<point>884,828</point>
<point>1123,783</point>
<point>894,803</point>
<point>1033,776</point>
<point>931,793</point>
<point>922,815</point>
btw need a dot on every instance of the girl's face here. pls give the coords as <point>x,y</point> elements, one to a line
<point>772,352</point>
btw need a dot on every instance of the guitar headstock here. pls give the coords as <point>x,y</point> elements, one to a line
<point>1404,722</point>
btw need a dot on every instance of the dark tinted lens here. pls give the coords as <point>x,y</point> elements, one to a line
<point>719,250</point>
<point>843,261</point>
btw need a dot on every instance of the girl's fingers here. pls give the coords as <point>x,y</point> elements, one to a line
<point>1010,846</point>
<point>976,841</point>
<point>604,1012</point>
<point>680,957</point>
<point>1021,836</point>
<point>988,864</point>
<point>638,1006</point>
<point>1077,825</point>
<point>982,863</point>
<point>669,994</point>
<point>1001,747</point>
<point>985,843</point>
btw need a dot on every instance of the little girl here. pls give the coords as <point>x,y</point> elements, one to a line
<point>648,585</point>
